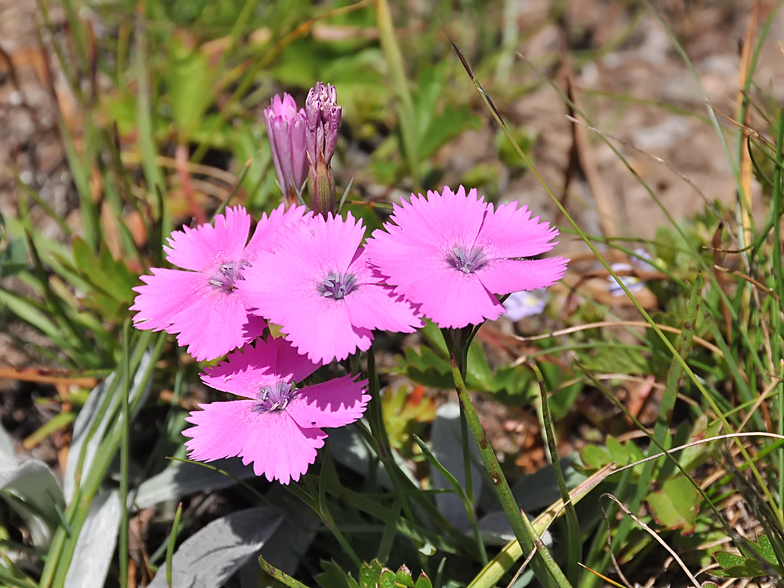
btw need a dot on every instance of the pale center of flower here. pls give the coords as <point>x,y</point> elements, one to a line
<point>466,261</point>
<point>337,286</point>
<point>274,397</point>
<point>223,279</point>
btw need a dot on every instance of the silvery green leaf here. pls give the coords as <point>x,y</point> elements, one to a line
<point>7,455</point>
<point>496,530</point>
<point>540,489</point>
<point>183,478</point>
<point>90,411</point>
<point>95,546</point>
<point>38,493</point>
<point>447,448</point>
<point>210,557</point>
<point>291,540</point>
<point>349,449</point>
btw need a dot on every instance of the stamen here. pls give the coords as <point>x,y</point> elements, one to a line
<point>337,286</point>
<point>274,398</point>
<point>466,262</point>
<point>228,273</point>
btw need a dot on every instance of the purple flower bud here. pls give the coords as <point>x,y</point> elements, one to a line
<point>286,131</point>
<point>323,119</point>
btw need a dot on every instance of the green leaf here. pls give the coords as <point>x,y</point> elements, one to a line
<point>190,81</point>
<point>728,560</point>
<point>403,577</point>
<point>370,573</point>
<point>446,126</point>
<point>333,576</point>
<point>426,368</point>
<point>387,579</point>
<point>676,505</point>
<point>617,360</point>
<point>594,457</point>
<point>765,549</point>
<point>13,257</point>
<point>423,581</point>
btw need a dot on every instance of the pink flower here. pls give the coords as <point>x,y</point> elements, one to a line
<point>317,286</point>
<point>278,427</point>
<point>200,302</point>
<point>286,131</point>
<point>450,253</point>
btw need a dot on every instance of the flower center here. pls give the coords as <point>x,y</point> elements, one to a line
<point>466,261</point>
<point>274,397</point>
<point>224,278</point>
<point>337,286</point>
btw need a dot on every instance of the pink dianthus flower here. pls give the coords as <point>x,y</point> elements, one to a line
<point>278,427</point>
<point>317,286</point>
<point>450,253</point>
<point>199,302</point>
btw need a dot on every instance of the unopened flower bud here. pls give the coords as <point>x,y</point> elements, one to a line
<point>323,119</point>
<point>286,128</point>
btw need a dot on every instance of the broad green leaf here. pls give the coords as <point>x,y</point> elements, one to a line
<point>446,126</point>
<point>594,457</point>
<point>423,581</point>
<point>616,360</point>
<point>403,577</point>
<point>426,368</point>
<point>728,560</point>
<point>190,81</point>
<point>387,579</point>
<point>369,574</point>
<point>676,505</point>
<point>765,549</point>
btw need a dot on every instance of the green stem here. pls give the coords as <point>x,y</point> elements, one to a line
<point>376,420</point>
<point>573,547</point>
<point>543,565</point>
<point>126,427</point>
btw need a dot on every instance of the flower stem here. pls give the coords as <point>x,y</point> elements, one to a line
<point>376,419</point>
<point>543,565</point>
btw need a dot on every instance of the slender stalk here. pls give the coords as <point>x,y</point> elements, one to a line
<point>543,565</point>
<point>126,427</point>
<point>376,419</point>
<point>170,544</point>
<point>573,546</point>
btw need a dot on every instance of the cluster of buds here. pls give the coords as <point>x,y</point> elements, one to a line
<point>286,131</point>
<point>303,142</point>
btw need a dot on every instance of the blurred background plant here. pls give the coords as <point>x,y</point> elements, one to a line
<point>154,114</point>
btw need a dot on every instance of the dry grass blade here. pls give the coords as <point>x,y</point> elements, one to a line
<point>46,376</point>
<point>653,534</point>
<point>741,111</point>
<point>667,328</point>
<point>749,279</point>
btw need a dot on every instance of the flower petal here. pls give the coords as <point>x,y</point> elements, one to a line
<point>245,371</point>
<point>164,295</point>
<point>207,246</point>
<point>511,232</point>
<point>221,429</point>
<point>503,275</point>
<point>273,442</point>
<point>334,403</point>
